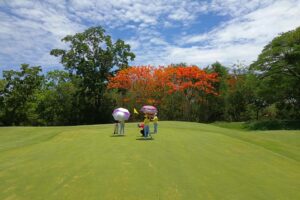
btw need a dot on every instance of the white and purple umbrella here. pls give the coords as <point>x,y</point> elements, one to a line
<point>121,114</point>
<point>149,109</point>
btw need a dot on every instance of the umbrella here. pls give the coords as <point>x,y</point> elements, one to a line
<point>121,114</point>
<point>149,109</point>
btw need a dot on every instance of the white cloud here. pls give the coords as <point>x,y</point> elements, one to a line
<point>241,38</point>
<point>30,29</point>
<point>134,44</point>
<point>181,14</point>
<point>202,57</point>
<point>260,25</point>
<point>238,7</point>
<point>186,11</point>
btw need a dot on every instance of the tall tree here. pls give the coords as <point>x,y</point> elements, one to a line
<point>281,56</point>
<point>278,68</point>
<point>2,87</point>
<point>155,86</point>
<point>240,96</point>
<point>93,57</point>
<point>56,99</point>
<point>18,94</point>
<point>215,108</point>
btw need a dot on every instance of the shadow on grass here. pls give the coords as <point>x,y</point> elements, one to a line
<point>117,135</point>
<point>144,139</point>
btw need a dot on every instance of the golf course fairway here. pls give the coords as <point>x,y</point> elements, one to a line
<point>183,161</point>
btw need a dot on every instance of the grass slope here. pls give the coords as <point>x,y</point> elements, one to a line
<point>183,161</point>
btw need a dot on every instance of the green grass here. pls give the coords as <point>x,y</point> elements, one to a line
<point>183,161</point>
<point>231,125</point>
<point>261,125</point>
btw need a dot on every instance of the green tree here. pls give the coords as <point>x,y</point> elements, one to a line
<point>278,68</point>
<point>18,94</point>
<point>240,96</point>
<point>281,56</point>
<point>2,87</point>
<point>56,99</point>
<point>93,58</point>
<point>215,107</point>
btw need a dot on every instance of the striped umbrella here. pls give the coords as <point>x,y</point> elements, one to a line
<point>121,114</point>
<point>147,109</point>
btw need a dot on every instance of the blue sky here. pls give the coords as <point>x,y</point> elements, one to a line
<point>160,32</point>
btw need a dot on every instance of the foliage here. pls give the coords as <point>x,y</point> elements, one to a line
<point>19,94</point>
<point>239,96</point>
<point>97,78</point>
<point>273,125</point>
<point>146,84</point>
<point>215,109</point>
<point>278,68</point>
<point>93,58</point>
<point>2,87</point>
<point>281,56</point>
<point>56,100</point>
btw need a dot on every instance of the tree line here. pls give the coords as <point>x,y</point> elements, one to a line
<point>97,78</point>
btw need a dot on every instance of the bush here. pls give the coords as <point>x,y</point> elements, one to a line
<point>274,125</point>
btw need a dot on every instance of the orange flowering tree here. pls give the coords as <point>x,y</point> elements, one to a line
<point>140,85</point>
<point>190,80</point>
